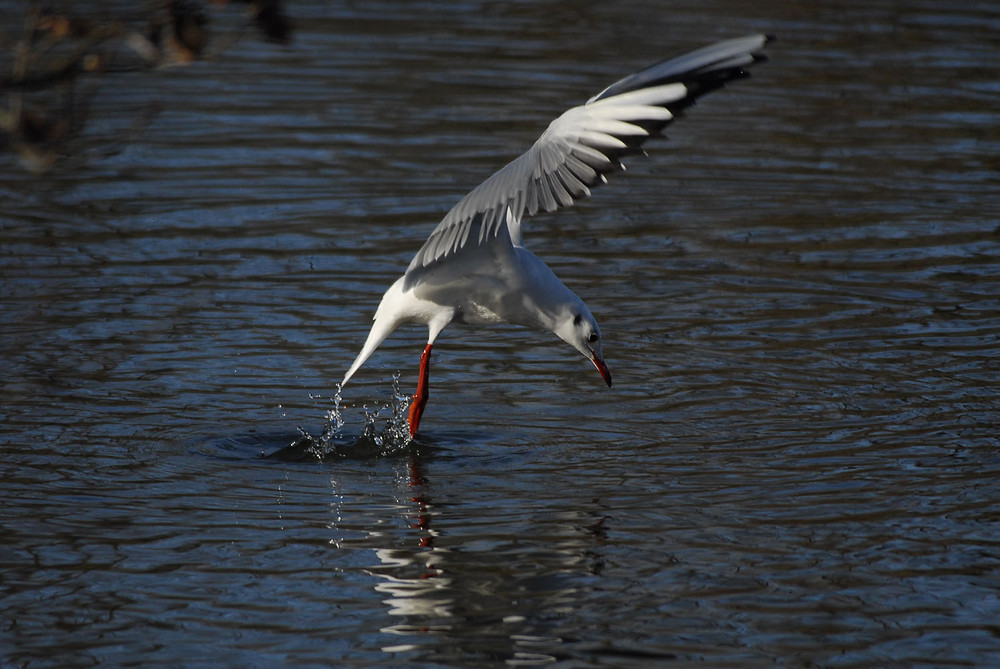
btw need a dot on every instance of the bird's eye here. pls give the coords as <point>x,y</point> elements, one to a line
<point>594,336</point>
<point>577,319</point>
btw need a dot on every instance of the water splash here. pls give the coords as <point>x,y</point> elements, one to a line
<point>379,436</point>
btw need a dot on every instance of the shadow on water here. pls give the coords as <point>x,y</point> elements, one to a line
<point>383,434</point>
<point>391,439</point>
<point>379,436</point>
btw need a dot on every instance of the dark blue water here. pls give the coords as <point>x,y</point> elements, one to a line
<point>798,294</point>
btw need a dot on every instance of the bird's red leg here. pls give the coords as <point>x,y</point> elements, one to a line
<point>420,398</point>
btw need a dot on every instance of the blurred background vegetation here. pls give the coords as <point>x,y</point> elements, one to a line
<point>54,57</point>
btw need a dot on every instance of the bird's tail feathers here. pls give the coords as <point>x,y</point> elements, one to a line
<point>381,329</point>
<point>387,319</point>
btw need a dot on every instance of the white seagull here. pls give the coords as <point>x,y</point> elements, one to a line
<point>474,268</point>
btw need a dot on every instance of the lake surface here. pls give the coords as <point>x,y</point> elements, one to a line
<point>799,297</point>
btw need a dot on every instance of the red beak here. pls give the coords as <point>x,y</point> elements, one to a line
<point>603,369</point>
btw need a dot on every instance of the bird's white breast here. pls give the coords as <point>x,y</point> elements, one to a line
<point>478,314</point>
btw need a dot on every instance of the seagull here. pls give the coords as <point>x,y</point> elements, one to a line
<point>474,268</point>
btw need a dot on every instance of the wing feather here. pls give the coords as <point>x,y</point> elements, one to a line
<point>583,145</point>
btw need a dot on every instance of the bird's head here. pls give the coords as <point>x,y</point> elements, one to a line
<point>579,329</point>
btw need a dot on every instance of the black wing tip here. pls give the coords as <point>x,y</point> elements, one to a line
<point>743,73</point>
<point>758,57</point>
<point>680,69</point>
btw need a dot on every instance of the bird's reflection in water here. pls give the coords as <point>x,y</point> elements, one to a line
<point>497,591</point>
<point>415,581</point>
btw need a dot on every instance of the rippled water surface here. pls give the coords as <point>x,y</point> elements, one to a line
<point>799,296</point>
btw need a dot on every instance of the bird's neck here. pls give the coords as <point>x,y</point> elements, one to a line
<point>548,300</point>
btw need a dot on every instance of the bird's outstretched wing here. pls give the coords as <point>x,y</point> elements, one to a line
<point>587,142</point>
